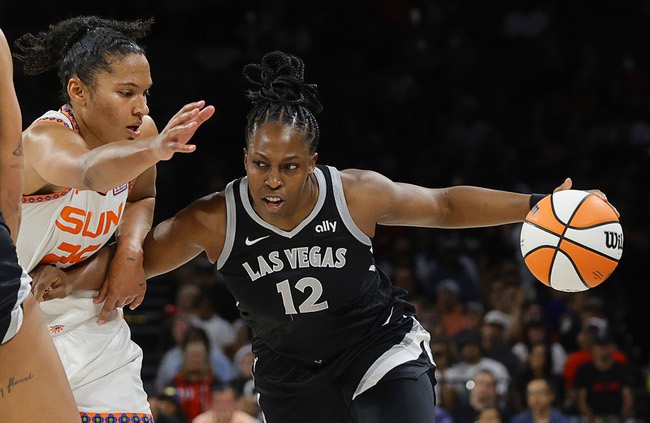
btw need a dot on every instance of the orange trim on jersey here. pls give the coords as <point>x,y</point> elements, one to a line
<point>90,417</point>
<point>67,112</point>
<point>42,198</point>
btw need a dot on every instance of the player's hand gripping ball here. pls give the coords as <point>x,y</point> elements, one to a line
<point>572,240</point>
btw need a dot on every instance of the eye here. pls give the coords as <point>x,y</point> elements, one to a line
<point>147,93</point>
<point>291,166</point>
<point>126,93</point>
<point>259,163</point>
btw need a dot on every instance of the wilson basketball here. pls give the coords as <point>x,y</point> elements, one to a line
<point>571,240</point>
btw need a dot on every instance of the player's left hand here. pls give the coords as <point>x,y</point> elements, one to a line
<point>568,183</point>
<point>125,283</point>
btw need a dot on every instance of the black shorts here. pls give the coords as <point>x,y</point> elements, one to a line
<point>363,379</point>
<point>14,286</point>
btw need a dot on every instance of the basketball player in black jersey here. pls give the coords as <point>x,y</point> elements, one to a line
<point>334,341</point>
<point>33,385</point>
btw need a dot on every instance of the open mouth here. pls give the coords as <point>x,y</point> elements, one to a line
<point>273,203</point>
<point>134,130</point>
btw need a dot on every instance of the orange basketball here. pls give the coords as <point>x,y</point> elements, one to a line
<point>571,240</point>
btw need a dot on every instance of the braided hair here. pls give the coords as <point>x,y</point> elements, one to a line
<point>280,94</point>
<point>81,46</point>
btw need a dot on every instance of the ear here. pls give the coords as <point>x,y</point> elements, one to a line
<point>77,91</point>
<point>312,162</point>
<point>245,156</point>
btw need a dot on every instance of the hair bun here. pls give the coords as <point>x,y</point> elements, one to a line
<point>280,79</point>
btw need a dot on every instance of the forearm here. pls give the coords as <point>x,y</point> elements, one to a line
<point>10,200</point>
<point>114,164</point>
<point>90,274</point>
<point>472,206</point>
<point>135,225</point>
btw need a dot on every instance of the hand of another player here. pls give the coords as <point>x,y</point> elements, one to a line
<point>568,183</point>
<point>125,284</point>
<point>50,282</point>
<point>180,129</point>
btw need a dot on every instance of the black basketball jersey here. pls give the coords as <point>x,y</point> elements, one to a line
<point>312,292</point>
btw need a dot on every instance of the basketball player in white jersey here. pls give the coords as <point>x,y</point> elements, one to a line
<point>90,175</point>
<point>33,385</point>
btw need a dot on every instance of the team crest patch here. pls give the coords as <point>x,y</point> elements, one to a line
<point>119,189</point>
<point>56,328</point>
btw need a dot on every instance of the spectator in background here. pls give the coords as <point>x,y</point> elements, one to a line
<point>450,264</point>
<point>170,364</point>
<point>495,336</point>
<point>220,331</point>
<point>444,356</point>
<point>483,395</point>
<point>605,387</point>
<point>473,314</point>
<point>470,362</point>
<point>536,333</point>
<point>586,340</point>
<point>224,408</point>
<point>243,383</point>
<point>194,382</point>
<point>165,409</point>
<point>448,307</point>
<point>540,398</point>
<point>538,366</point>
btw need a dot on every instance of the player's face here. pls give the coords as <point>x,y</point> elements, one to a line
<point>278,165</point>
<point>115,106</point>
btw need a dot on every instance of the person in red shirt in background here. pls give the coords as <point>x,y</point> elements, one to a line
<point>586,340</point>
<point>194,383</point>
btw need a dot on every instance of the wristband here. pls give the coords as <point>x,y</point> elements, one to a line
<point>535,198</point>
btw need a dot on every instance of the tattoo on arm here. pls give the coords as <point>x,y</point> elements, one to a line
<point>19,150</point>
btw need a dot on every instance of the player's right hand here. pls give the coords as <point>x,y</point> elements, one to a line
<point>180,129</point>
<point>50,282</point>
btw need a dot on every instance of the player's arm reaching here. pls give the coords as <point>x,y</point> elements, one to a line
<point>374,199</point>
<point>57,156</point>
<point>126,282</point>
<point>199,227</point>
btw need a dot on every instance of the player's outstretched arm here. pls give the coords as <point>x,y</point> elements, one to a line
<point>58,156</point>
<point>199,227</point>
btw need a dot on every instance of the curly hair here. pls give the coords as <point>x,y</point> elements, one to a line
<point>280,94</point>
<point>80,46</point>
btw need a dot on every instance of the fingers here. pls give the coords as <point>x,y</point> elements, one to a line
<point>136,302</point>
<point>43,284</point>
<point>567,184</point>
<point>55,293</point>
<point>39,291</point>
<point>103,293</point>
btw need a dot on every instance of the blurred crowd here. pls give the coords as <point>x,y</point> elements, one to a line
<point>506,95</point>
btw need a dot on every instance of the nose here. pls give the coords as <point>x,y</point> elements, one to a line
<point>273,180</point>
<point>140,107</point>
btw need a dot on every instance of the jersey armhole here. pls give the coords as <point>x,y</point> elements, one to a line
<point>342,206</point>
<point>231,220</point>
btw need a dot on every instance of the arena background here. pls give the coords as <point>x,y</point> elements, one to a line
<point>506,95</point>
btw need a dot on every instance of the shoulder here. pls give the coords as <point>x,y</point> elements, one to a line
<point>148,127</point>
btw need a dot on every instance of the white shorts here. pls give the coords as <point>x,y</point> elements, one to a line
<point>103,365</point>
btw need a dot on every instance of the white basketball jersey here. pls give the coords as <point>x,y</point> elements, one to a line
<point>66,227</point>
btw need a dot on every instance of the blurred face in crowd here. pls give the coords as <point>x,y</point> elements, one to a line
<point>539,396</point>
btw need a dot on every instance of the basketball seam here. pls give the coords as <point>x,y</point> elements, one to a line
<point>586,247</point>
<point>573,263</point>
